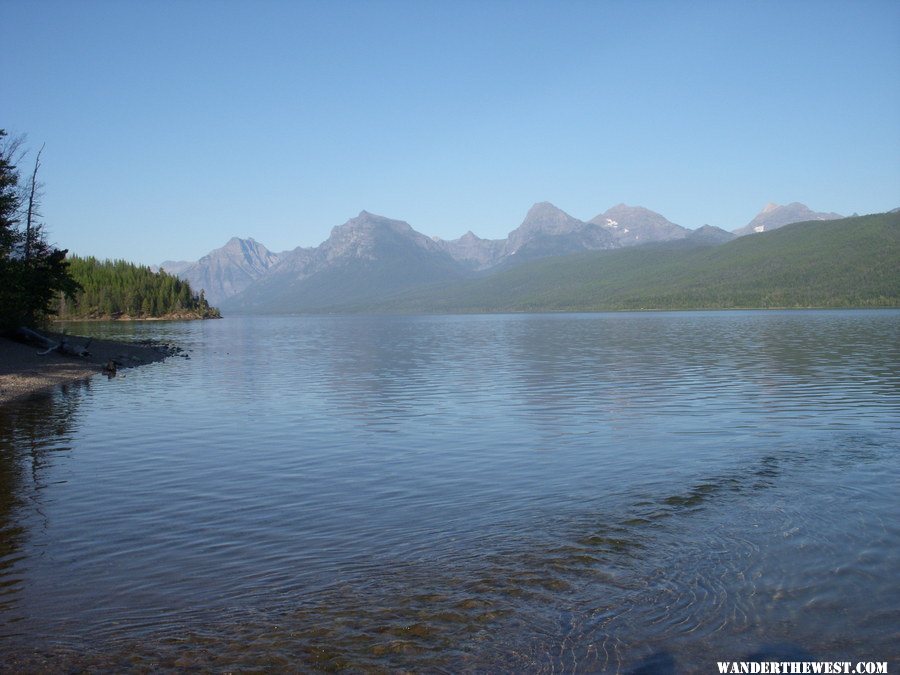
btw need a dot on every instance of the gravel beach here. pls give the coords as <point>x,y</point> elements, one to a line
<point>23,371</point>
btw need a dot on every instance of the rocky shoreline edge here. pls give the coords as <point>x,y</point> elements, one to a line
<point>27,369</point>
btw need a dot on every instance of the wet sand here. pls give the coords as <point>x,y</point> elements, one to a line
<point>23,371</point>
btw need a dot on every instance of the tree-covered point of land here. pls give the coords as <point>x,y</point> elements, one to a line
<point>118,289</point>
<point>32,272</point>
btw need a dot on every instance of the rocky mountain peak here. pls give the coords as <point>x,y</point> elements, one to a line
<point>632,225</point>
<point>227,270</point>
<point>241,246</point>
<point>540,209</point>
<point>626,211</point>
<point>542,219</point>
<point>371,221</point>
<point>368,233</point>
<point>548,217</point>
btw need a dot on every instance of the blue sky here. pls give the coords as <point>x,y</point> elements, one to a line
<point>172,126</point>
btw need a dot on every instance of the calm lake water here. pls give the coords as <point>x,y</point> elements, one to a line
<point>479,493</point>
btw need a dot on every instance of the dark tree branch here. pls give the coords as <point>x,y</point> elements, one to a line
<point>33,201</point>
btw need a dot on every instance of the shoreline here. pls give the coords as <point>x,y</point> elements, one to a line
<point>124,318</point>
<point>24,372</point>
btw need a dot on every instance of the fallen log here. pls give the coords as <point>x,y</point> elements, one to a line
<point>31,337</point>
<point>63,347</point>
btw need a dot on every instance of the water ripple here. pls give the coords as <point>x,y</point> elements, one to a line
<point>536,493</point>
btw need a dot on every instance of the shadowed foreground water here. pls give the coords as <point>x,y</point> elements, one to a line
<point>513,493</point>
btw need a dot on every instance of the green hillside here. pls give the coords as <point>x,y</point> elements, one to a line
<point>114,289</point>
<point>851,262</point>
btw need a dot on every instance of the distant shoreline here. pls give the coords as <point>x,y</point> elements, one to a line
<point>25,372</point>
<point>126,317</point>
<point>501,312</point>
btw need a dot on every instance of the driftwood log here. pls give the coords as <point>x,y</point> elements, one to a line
<point>63,346</point>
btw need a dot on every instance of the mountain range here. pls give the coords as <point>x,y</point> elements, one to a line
<point>364,259</point>
<point>371,258</point>
<point>848,262</point>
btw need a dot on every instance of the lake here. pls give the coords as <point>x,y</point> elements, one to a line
<point>596,492</point>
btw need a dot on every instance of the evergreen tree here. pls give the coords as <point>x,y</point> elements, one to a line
<point>32,273</point>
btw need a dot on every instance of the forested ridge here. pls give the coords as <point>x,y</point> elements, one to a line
<point>851,262</point>
<point>120,289</point>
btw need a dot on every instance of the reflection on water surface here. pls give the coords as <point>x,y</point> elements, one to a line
<point>582,492</point>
